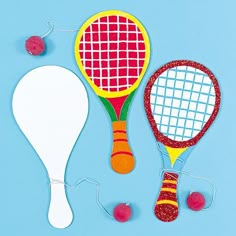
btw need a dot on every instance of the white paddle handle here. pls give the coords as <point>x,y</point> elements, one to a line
<point>60,215</point>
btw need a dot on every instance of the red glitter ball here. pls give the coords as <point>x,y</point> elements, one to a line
<point>122,212</point>
<point>196,201</point>
<point>35,45</point>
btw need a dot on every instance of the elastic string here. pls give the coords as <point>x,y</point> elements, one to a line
<point>52,29</point>
<point>90,181</point>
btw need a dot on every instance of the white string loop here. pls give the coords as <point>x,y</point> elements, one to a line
<point>166,171</point>
<point>90,181</point>
<point>187,174</point>
<point>51,29</point>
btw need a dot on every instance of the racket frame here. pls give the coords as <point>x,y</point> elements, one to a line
<point>98,91</point>
<point>147,96</point>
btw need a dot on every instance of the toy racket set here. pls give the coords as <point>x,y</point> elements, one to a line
<point>112,50</point>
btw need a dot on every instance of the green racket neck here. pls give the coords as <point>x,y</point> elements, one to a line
<point>124,110</point>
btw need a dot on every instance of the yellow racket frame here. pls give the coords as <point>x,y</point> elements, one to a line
<point>98,91</point>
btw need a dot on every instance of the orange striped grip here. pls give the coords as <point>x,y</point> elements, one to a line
<point>166,208</point>
<point>122,159</point>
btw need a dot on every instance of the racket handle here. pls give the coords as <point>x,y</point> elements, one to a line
<point>122,159</point>
<point>166,208</point>
<point>59,215</point>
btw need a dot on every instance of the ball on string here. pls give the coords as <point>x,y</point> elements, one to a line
<point>35,45</point>
<point>196,201</point>
<point>122,212</point>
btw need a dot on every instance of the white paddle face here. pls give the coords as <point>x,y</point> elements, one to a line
<point>50,105</point>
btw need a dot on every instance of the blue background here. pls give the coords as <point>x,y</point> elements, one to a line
<point>203,31</point>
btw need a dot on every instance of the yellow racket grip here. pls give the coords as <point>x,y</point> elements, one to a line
<point>122,159</point>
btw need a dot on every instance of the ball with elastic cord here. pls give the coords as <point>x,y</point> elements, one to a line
<point>122,212</point>
<point>35,45</point>
<point>196,201</point>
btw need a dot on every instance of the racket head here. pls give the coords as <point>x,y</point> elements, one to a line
<point>187,72</point>
<point>128,62</point>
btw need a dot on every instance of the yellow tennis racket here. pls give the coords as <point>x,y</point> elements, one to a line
<point>112,51</point>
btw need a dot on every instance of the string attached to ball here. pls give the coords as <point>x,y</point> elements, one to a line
<point>121,213</point>
<point>35,45</point>
<point>195,200</point>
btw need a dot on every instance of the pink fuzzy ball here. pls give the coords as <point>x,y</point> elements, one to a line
<point>122,212</point>
<point>196,201</point>
<point>35,45</point>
